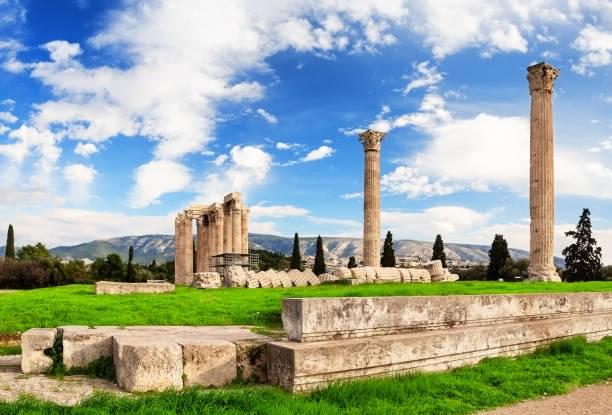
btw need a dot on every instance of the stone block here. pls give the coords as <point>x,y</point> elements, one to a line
<point>206,280</point>
<point>342,273</point>
<point>83,345</point>
<point>284,279</point>
<point>405,275</point>
<point>112,287</point>
<point>301,367</point>
<point>252,281</point>
<point>235,276</point>
<point>275,279</point>
<point>264,279</point>
<point>298,279</point>
<point>318,319</point>
<point>208,362</point>
<point>147,363</point>
<point>358,273</point>
<point>327,278</point>
<point>388,274</point>
<point>251,360</point>
<point>311,277</point>
<point>370,274</point>
<point>34,342</point>
<point>435,268</point>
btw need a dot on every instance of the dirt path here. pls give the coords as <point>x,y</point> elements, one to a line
<point>590,400</point>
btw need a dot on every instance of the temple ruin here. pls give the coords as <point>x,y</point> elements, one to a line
<point>222,238</point>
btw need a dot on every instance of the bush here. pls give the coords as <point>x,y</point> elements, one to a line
<point>22,274</point>
<point>476,273</point>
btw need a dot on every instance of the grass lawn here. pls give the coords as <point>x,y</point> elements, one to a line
<point>493,382</point>
<point>79,305</point>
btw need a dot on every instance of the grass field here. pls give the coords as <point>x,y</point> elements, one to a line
<point>494,382</point>
<point>78,304</point>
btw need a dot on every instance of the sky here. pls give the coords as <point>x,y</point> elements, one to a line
<point>115,115</point>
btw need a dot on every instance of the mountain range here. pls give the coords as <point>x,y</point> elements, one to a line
<point>161,248</point>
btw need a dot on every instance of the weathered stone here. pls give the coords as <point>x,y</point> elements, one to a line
<point>235,276</point>
<point>435,268</point>
<point>388,274</point>
<point>405,275</point>
<point>311,277</point>
<point>327,278</point>
<point>370,274</point>
<point>358,272</point>
<point>251,360</point>
<point>208,362</point>
<point>206,280</point>
<point>147,363</point>
<point>342,272</point>
<point>253,281</point>
<point>274,278</point>
<point>111,287</point>
<point>264,279</point>
<point>318,319</point>
<point>34,342</point>
<point>83,345</point>
<point>284,279</point>
<point>298,279</point>
<point>302,367</point>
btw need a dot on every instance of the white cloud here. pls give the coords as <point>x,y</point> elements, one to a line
<point>277,211</point>
<point>349,196</point>
<point>220,159</point>
<point>287,146</point>
<point>79,174</point>
<point>8,117</point>
<point>424,76</point>
<point>596,48</point>
<point>270,119</point>
<point>62,51</point>
<point>411,183</point>
<point>85,149</point>
<point>319,153</point>
<point>156,178</point>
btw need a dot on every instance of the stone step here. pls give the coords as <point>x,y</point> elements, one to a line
<point>300,367</point>
<point>10,364</point>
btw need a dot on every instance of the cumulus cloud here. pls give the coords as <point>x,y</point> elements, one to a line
<point>349,196</point>
<point>319,153</point>
<point>80,177</point>
<point>596,47</point>
<point>287,146</point>
<point>154,179</point>
<point>277,211</point>
<point>220,159</point>
<point>424,76</point>
<point>270,119</point>
<point>7,117</point>
<point>85,149</point>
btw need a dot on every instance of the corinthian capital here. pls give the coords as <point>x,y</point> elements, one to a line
<point>371,139</point>
<point>541,77</point>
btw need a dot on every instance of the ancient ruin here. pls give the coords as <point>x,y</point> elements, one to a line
<point>222,237</point>
<point>371,141</point>
<point>541,79</point>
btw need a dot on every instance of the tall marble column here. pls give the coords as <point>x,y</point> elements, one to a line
<point>188,256</point>
<point>227,228</point>
<point>541,79</point>
<point>179,249</point>
<point>371,141</point>
<point>202,251</point>
<point>219,223</point>
<point>245,230</point>
<point>237,227</point>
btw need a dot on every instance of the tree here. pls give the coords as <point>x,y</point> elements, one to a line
<point>319,262</point>
<point>438,251</point>
<point>33,252</point>
<point>296,257</point>
<point>352,262</point>
<point>131,272</point>
<point>498,256</point>
<point>388,255</point>
<point>583,257</point>
<point>10,243</point>
<point>111,268</point>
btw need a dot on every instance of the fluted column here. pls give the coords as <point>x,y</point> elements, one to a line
<point>371,141</point>
<point>541,79</point>
<point>245,230</point>
<point>179,249</point>
<point>219,219</point>
<point>188,256</point>
<point>237,228</point>
<point>227,228</point>
<point>203,246</point>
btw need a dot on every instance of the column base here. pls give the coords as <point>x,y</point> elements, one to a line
<point>544,275</point>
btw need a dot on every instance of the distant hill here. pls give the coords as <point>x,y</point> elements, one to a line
<point>161,248</point>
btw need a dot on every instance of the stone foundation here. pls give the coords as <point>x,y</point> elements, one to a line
<point>111,287</point>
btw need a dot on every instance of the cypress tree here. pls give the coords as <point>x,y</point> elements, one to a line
<point>131,273</point>
<point>319,262</point>
<point>583,257</point>
<point>498,256</point>
<point>10,243</point>
<point>352,262</point>
<point>296,257</point>
<point>438,251</point>
<point>388,255</point>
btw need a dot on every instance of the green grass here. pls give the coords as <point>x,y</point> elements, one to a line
<point>494,382</point>
<point>9,350</point>
<point>78,304</point>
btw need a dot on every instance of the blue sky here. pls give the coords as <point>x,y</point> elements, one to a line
<point>117,114</point>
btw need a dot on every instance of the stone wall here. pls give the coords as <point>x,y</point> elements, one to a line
<point>390,335</point>
<point>111,287</point>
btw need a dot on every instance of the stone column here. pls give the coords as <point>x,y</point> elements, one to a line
<point>237,228</point>
<point>219,223</point>
<point>245,230</point>
<point>371,141</point>
<point>541,79</point>
<point>179,250</point>
<point>203,246</point>
<point>227,228</point>
<point>188,256</point>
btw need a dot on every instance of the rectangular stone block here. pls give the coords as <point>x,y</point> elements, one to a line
<point>83,345</point>
<point>316,319</point>
<point>208,362</point>
<point>251,360</point>
<point>300,367</point>
<point>112,287</point>
<point>34,342</point>
<point>147,363</point>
